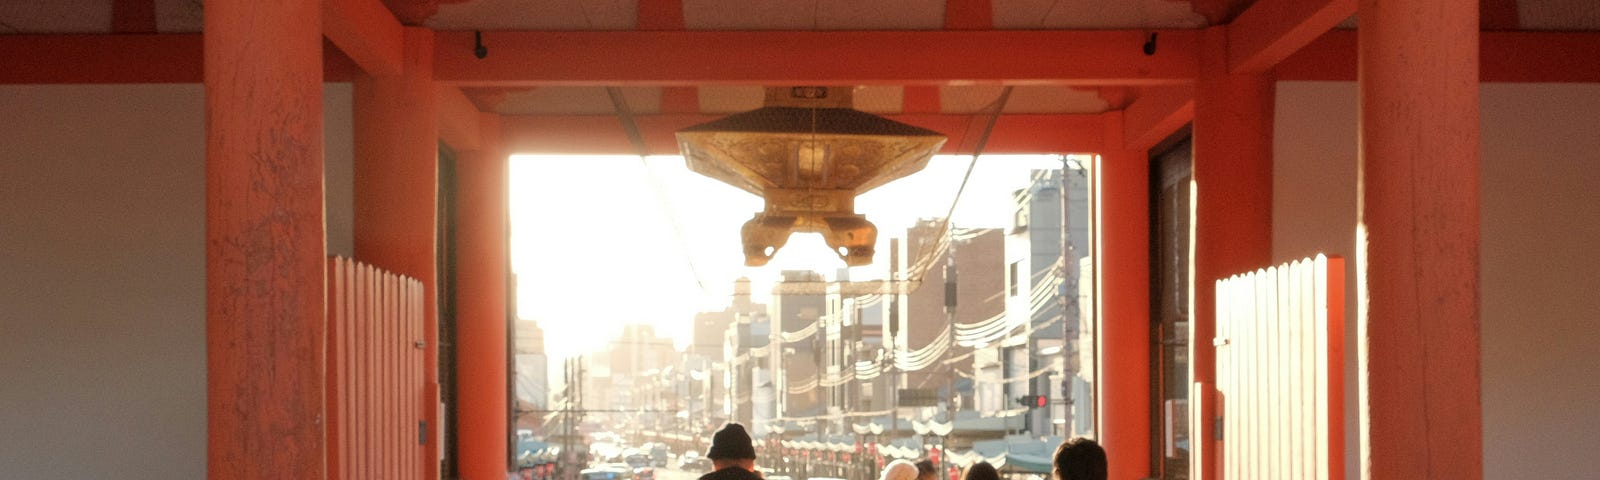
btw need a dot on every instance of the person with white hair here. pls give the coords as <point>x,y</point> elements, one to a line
<point>899,470</point>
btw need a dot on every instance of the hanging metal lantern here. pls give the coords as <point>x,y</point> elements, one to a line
<point>808,154</point>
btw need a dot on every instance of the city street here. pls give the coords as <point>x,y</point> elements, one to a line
<point>671,474</point>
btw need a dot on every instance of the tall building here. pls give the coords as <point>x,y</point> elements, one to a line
<point>953,277</point>
<point>1039,355</point>
<point>747,366</point>
<point>796,308</point>
<point>530,379</point>
<point>852,333</point>
<point>705,361</point>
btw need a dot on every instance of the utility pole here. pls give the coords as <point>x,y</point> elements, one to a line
<point>950,295</point>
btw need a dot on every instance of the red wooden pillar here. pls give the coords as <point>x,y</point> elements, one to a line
<point>1417,248</point>
<point>482,428</point>
<point>1122,251</point>
<point>396,211</point>
<point>1232,213</point>
<point>265,240</point>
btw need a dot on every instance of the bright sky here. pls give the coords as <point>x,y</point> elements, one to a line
<point>601,242</point>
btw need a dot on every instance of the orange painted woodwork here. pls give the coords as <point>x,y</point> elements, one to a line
<point>921,99</point>
<point>264,240</point>
<point>1122,251</point>
<point>1336,355</point>
<point>603,134</point>
<point>396,201</point>
<point>1107,57</point>
<point>1232,206</point>
<point>680,100</point>
<point>482,427</point>
<point>367,32</point>
<point>1157,114</point>
<point>1271,30</point>
<point>1418,240</point>
<point>660,15</point>
<point>968,15</point>
<point>458,119</point>
<point>129,58</point>
<point>1521,56</point>
<point>1498,15</point>
<point>1505,57</point>
<point>133,16</point>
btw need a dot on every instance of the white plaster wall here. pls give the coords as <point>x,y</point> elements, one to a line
<point>1314,203</point>
<point>102,277</point>
<point>1541,218</point>
<point>1541,225</point>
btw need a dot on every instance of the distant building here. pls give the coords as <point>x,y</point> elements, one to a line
<point>796,308</point>
<point>747,359</point>
<point>1040,354</point>
<point>531,381</point>
<point>704,360</point>
<point>979,295</point>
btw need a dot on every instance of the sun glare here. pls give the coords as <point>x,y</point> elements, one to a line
<point>599,242</point>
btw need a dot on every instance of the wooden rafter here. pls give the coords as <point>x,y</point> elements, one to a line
<point>823,58</point>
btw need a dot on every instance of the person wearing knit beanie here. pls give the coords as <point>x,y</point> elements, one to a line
<point>732,454</point>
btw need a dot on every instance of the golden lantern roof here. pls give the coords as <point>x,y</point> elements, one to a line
<point>808,154</point>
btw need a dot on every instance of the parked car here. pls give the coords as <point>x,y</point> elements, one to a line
<point>697,464</point>
<point>606,472</point>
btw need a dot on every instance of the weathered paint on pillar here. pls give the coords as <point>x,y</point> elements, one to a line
<point>1122,263</point>
<point>483,426</point>
<point>396,206</point>
<point>1418,240</point>
<point>265,240</point>
<point>1232,212</point>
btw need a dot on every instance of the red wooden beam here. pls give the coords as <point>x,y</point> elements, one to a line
<point>133,16</point>
<point>1155,115</point>
<point>659,15</point>
<point>1109,57</point>
<point>458,120</point>
<point>968,15</point>
<point>121,58</point>
<point>603,134</point>
<point>680,100</point>
<point>921,99</point>
<point>1517,57</point>
<point>1494,15</point>
<point>1271,30</point>
<point>365,31</point>
<point>162,58</point>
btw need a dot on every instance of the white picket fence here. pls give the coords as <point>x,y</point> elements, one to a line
<point>1280,358</point>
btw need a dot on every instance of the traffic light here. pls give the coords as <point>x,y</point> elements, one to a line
<point>1033,401</point>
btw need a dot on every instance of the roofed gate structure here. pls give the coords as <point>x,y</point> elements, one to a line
<point>1428,141</point>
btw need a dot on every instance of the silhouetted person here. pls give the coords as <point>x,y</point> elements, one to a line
<point>926,470</point>
<point>1080,459</point>
<point>732,454</point>
<point>981,471</point>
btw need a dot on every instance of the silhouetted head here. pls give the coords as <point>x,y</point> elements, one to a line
<point>1080,459</point>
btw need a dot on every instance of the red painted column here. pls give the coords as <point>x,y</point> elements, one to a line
<point>1122,263</point>
<point>265,240</point>
<point>396,206</point>
<point>1232,213</point>
<point>483,428</point>
<point>1417,244</point>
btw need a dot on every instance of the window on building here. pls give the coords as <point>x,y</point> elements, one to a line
<point>1013,277</point>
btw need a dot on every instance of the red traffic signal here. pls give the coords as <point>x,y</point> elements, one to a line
<point>1033,401</point>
